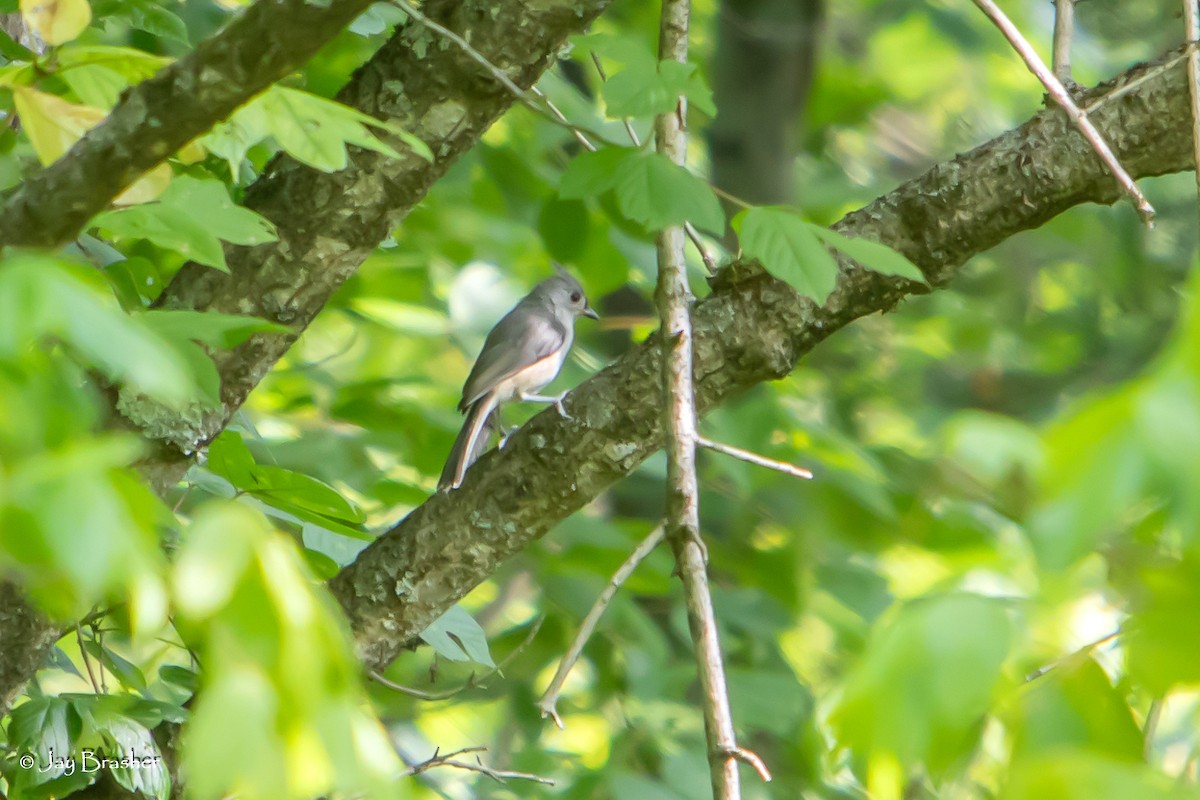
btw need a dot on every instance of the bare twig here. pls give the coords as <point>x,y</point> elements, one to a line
<point>499,775</point>
<point>1153,715</point>
<point>471,682</point>
<point>753,759</point>
<point>1125,88</point>
<point>732,198</point>
<point>522,97</point>
<point>1040,671</point>
<point>87,661</point>
<point>1060,95</point>
<point>753,458</point>
<point>1191,16</point>
<point>549,702</point>
<point>561,119</point>
<point>673,298</point>
<point>1064,26</point>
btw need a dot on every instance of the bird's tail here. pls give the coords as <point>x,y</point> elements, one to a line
<point>471,443</point>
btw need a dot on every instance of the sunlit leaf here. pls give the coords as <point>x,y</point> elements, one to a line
<point>872,255</point>
<point>592,173</point>
<point>926,680</point>
<point>56,21</point>
<point>192,217</point>
<point>457,636</point>
<point>656,193</point>
<point>787,248</point>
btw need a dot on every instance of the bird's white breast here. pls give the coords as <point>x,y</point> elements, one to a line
<point>532,378</point>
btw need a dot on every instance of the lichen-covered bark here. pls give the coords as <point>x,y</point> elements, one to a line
<point>25,638</point>
<point>327,224</point>
<point>160,115</point>
<point>751,329</point>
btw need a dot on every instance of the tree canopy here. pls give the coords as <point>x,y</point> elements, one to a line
<point>248,252</point>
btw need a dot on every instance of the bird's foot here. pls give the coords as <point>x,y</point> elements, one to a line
<point>505,433</point>
<point>558,403</point>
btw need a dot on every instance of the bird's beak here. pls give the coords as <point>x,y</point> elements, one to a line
<point>588,311</point>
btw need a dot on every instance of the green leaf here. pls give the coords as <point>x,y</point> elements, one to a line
<point>128,673</point>
<point>145,15</point>
<point>126,739</point>
<point>45,727</point>
<point>97,74</point>
<point>300,497</point>
<point>457,636</point>
<point>42,296</point>
<point>926,681</point>
<point>656,193</point>
<point>593,173</point>
<point>685,79</point>
<point>191,217</point>
<point>1074,706</point>
<point>1164,632</point>
<point>637,93</point>
<point>315,131</point>
<point>294,491</point>
<point>209,327</point>
<point>622,49</point>
<point>787,248</point>
<point>641,92</point>
<point>229,457</point>
<point>872,255</point>
<point>1070,775</point>
<point>179,676</point>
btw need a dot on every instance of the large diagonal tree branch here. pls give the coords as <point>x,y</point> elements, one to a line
<point>751,329</point>
<point>327,224</point>
<point>160,115</point>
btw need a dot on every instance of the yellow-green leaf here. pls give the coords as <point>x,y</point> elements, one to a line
<point>56,21</point>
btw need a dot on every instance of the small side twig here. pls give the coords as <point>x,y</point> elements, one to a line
<point>1125,88</point>
<point>1064,27</point>
<point>498,775</point>
<point>1060,95</point>
<point>1153,715</point>
<point>753,458</point>
<point>1040,671</point>
<point>471,682</point>
<point>751,758</point>
<point>497,73</point>
<point>1191,16</point>
<point>549,702</point>
<point>87,661</point>
<point>710,263</point>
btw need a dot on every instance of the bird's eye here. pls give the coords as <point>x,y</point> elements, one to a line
<point>576,297</point>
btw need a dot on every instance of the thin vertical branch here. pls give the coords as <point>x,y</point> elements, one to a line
<point>673,298</point>
<point>1060,95</point>
<point>1191,18</point>
<point>710,263</point>
<point>1064,26</point>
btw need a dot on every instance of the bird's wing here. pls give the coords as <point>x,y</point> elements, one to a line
<point>523,337</point>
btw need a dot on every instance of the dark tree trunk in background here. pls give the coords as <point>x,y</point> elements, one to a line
<point>770,45</point>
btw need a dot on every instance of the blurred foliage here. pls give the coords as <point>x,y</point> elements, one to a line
<point>991,589</point>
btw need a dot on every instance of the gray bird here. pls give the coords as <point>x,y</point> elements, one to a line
<point>523,353</point>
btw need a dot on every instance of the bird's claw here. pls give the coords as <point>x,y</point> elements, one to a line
<point>558,404</point>
<point>505,433</point>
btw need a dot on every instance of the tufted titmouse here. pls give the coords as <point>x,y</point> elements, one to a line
<point>523,353</point>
